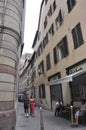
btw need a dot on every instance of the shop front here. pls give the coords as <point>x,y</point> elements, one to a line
<point>73,84</point>
<point>55,90</point>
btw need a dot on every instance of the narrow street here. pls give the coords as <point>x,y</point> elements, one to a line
<point>50,121</point>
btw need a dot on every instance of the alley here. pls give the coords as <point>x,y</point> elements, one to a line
<point>50,121</point>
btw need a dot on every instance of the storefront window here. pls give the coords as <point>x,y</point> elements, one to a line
<point>79,87</point>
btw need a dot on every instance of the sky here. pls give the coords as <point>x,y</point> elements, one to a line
<point>31,23</point>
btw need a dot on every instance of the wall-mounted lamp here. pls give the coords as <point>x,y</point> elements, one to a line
<point>39,71</point>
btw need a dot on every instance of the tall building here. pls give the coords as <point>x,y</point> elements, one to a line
<point>12,14</point>
<point>24,73</point>
<point>60,46</point>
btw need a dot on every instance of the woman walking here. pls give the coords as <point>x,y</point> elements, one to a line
<point>32,106</point>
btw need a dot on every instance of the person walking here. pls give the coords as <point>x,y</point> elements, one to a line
<point>26,105</point>
<point>32,106</point>
<point>59,107</point>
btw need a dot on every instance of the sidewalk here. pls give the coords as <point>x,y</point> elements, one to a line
<point>50,121</point>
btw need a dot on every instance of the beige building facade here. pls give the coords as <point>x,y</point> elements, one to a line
<point>12,14</point>
<point>59,46</point>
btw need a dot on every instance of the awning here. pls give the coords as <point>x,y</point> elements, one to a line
<point>67,78</point>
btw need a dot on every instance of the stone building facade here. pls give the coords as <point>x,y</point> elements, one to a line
<point>60,46</point>
<point>24,73</point>
<point>12,14</point>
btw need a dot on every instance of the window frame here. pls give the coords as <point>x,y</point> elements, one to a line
<point>77,36</point>
<point>70,5</point>
<point>42,92</point>
<point>63,46</point>
<point>59,20</point>
<point>48,63</point>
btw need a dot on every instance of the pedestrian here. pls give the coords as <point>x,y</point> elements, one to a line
<point>81,112</point>
<point>26,105</point>
<point>32,106</point>
<point>59,107</point>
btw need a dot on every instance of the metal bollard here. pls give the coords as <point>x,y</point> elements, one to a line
<point>72,123</point>
<point>41,120</point>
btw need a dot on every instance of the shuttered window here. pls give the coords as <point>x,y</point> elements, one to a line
<point>59,20</point>
<point>55,55</point>
<point>77,36</point>
<point>71,4</point>
<point>61,50</point>
<point>42,91</point>
<point>48,64</point>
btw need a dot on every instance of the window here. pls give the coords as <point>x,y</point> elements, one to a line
<point>40,49</point>
<point>36,55</point>
<point>59,20</point>
<point>33,76</point>
<point>45,22</point>
<point>39,34</point>
<point>77,36</point>
<point>79,87</point>
<point>51,30</point>
<point>71,4</point>
<point>56,92</point>
<point>61,50</point>
<point>42,91</point>
<point>41,67</point>
<point>50,11</point>
<point>46,1</point>
<point>23,3</point>
<point>48,65</point>
<point>45,40</point>
<point>54,76</point>
<point>55,55</point>
<point>54,6</point>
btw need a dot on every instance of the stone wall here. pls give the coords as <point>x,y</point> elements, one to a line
<point>11,17</point>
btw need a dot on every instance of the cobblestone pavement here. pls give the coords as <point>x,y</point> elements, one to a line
<point>50,122</point>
